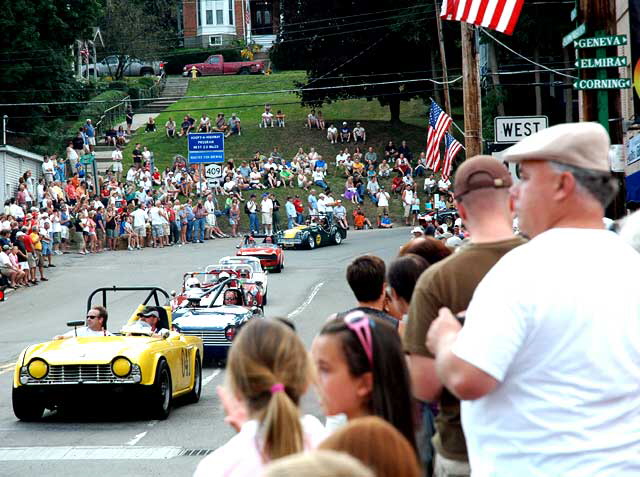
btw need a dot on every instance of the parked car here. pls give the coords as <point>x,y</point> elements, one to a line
<point>133,67</point>
<point>270,254</point>
<point>215,65</point>
<point>95,369</point>
<point>318,233</point>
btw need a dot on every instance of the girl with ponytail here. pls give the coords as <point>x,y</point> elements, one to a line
<point>268,371</point>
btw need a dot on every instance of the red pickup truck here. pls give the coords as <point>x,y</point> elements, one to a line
<point>215,65</point>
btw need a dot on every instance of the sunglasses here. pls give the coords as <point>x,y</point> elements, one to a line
<point>91,317</point>
<point>361,325</point>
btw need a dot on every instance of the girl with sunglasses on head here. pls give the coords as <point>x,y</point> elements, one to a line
<point>268,371</point>
<point>362,372</point>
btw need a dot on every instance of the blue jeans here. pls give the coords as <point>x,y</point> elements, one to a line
<point>322,184</point>
<point>198,229</point>
<point>190,226</point>
<point>300,218</point>
<point>291,223</point>
<point>254,225</point>
<point>373,198</point>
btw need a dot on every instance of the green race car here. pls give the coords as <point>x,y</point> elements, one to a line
<point>319,232</point>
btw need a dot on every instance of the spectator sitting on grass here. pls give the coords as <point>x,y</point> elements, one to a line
<point>287,177</point>
<point>312,120</point>
<point>267,119</point>
<point>345,133</point>
<point>221,123</point>
<point>121,136</point>
<point>383,169</point>
<point>234,126</point>
<point>385,222</point>
<point>170,127</point>
<point>185,127</point>
<point>320,120</point>
<point>280,117</point>
<point>318,178</point>
<point>273,179</point>
<point>359,134</point>
<point>150,125</point>
<point>360,220</point>
<point>303,180</point>
<point>255,179</point>
<point>332,134</point>
<point>205,123</point>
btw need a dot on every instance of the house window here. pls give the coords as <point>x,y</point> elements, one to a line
<point>209,17</point>
<point>219,17</point>
<point>198,15</point>
<point>261,18</point>
<point>215,40</point>
<point>230,12</point>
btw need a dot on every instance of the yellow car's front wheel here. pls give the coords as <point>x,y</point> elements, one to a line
<point>25,407</point>
<point>161,392</point>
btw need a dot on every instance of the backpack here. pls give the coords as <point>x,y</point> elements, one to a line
<point>246,208</point>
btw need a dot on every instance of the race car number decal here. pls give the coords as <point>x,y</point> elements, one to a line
<point>186,363</point>
<point>318,239</point>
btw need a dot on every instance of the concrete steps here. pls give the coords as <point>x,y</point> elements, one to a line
<point>175,87</point>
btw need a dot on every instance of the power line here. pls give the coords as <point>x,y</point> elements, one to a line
<point>250,93</point>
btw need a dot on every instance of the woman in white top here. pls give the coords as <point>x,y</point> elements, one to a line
<point>268,372</point>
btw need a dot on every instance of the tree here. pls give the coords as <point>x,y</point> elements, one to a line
<point>349,48</point>
<point>137,29</point>
<point>35,59</point>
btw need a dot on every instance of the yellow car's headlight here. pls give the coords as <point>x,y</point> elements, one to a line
<point>38,369</point>
<point>121,367</point>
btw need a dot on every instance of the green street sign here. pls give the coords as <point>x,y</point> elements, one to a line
<point>601,41</point>
<point>609,62</point>
<point>86,159</point>
<point>577,33</point>
<point>574,14</point>
<point>607,83</point>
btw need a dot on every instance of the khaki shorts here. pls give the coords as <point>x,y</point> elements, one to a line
<point>383,209</point>
<point>267,219</point>
<point>407,210</point>
<point>31,260</point>
<point>140,231</point>
<point>6,272</point>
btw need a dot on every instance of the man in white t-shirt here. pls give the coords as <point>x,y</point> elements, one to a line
<point>332,134</point>
<point>48,170</point>
<point>547,366</point>
<point>139,224</point>
<point>266,206</point>
<point>116,162</point>
<point>157,216</point>
<point>383,203</point>
<point>96,325</point>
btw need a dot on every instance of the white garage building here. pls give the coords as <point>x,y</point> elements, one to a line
<point>14,162</point>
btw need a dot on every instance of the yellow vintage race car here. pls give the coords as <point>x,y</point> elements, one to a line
<point>64,372</point>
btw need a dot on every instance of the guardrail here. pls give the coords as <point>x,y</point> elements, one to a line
<point>113,115</point>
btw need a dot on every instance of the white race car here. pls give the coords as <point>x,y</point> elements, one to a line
<point>259,275</point>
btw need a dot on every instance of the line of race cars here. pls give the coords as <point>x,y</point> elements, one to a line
<point>200,323</point>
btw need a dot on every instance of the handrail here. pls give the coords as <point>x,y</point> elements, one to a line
<point>108,112</point>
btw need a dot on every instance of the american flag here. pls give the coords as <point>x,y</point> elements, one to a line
<point>500,15</point>
<point>439,122</point>
<point>451,149</point>
<point>247,14</point>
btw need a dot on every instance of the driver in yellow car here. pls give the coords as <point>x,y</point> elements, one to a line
<point>96,325</point>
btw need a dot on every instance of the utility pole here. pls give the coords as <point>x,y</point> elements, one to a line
<point>4,129</point>
<point>471,91</point>
<point>79,59</point>
<point>443,60</point>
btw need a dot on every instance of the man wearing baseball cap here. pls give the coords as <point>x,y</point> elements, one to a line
<point>482,195</point>
<point>548,366</point>
<point>152,318</point>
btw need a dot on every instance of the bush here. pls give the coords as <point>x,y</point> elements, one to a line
<point>121,85</point>
<point>176,59</point>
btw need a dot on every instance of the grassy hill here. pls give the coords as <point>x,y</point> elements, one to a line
<point>247,95</point>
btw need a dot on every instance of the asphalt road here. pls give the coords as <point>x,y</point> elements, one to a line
<point>311,287</point>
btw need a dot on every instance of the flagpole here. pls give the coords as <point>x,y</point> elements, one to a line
<point>443,60</point>
<point>471,91</point>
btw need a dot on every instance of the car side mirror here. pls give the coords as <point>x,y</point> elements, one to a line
<point>237,246</point>
<point>75,323</point>
<point>165,334</point>
<point>173,293</point>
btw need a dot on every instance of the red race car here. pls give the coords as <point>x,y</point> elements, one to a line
<point>271,255</point>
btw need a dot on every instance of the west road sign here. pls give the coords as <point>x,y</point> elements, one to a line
<point>510,129</point>
<point>577,33</point>
<point>607,83</point>
<point>600,41</point>
<point>609,62</point>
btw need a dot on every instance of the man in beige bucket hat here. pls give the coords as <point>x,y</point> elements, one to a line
<point>547,364</point>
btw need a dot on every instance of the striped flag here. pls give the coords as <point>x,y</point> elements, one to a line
<point>500,15</point>
<point>247,14</point>
<point>451,149</point>
<point>439,122</point>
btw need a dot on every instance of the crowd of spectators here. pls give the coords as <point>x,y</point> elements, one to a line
<point>539,377</point>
